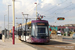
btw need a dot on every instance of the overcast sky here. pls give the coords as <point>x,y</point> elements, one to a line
<point>51,9</point>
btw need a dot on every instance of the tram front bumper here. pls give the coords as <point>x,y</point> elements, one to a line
<point>36,40</point>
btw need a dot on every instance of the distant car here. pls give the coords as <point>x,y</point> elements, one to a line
<point>73,36</point>
<point>58,33</point>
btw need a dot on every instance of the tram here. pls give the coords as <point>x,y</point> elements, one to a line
<point>35,31</point>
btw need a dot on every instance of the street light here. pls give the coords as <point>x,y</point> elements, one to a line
<point>13,21</point>
<point>36,9</point>
<point>13,2</point>
<point>8,21</point>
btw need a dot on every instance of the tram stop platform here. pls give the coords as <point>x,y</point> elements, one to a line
<point>7,45</point>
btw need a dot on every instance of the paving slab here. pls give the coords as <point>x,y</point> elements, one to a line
<point>7,45</point>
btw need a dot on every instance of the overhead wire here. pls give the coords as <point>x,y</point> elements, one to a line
<point>51,17</point>
<point>49,9</point>
<point>62,2</point>
<point>55,6</point>
<point>28,6</point>
<point>61,8</point>
<point>67,11</point>
<point>64,8</point>
<point>31,9</point>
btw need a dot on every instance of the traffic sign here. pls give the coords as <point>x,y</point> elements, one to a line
<point>60,18</point>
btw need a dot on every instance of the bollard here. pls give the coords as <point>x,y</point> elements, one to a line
<point>3,38</point>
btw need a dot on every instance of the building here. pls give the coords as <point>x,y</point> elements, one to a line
<point>71,27</point>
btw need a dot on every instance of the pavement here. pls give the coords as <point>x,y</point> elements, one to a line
<point>7,45</point>
<point>61,40</point>
<point>67,37</point>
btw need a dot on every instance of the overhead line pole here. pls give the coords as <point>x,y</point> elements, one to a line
<point>26,25</point>
<point>22,18</point>
<point>4,30</point>
<point>8,21</point>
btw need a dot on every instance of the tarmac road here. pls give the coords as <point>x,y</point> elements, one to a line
<point>68,39</point>
<point>53,45</point>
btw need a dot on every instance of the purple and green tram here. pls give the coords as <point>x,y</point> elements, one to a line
<point>37,31</point>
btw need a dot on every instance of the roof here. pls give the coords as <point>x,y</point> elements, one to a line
<point>33,21</point>
<point>28,23</point>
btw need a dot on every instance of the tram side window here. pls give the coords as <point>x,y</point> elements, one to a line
<point>28,31</point>
<point>33,29</point>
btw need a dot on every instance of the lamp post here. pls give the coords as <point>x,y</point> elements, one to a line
<point>13,20</point>
<point>36,9</point>
<point>8,21</point>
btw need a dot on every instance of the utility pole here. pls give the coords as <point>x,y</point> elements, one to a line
<point>4,30</point>
<point>4,23</point>
<point>13,21</point>
<point>8,21</point>
<point>26,25</point>
<point>36,9</point>
<point>22,17</point>
<point>23,23</point>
